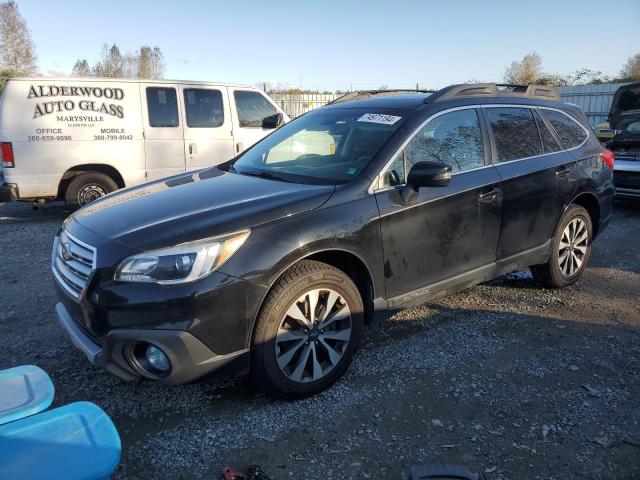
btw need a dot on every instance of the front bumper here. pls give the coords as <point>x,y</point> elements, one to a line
<point>190,358</point>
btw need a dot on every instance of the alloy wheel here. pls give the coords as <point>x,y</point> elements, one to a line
<point>313,335</point>
<point>573,247</point>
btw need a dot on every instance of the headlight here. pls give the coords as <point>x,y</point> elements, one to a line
<point>180,264</point>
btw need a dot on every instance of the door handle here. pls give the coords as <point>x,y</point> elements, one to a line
<point>239,147</point>
<point>563,171</point>
<point>193,149</point>
<point>488,196</point>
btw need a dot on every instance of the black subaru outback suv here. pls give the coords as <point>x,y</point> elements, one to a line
<point>275,261</point>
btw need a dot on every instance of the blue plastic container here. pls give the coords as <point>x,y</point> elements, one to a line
<point>24,391</point>
<point>77,441</point>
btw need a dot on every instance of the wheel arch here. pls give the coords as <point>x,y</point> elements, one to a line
<point>590,203</point>
<point>346,261</point>
<point>76,170</point>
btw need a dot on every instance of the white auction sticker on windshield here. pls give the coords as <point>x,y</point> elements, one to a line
<point>379,118</point>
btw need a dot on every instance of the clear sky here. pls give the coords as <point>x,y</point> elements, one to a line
<point>340,44</point>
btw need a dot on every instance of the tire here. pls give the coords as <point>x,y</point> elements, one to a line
<point>87,187</point>
<point>279,345</point>
<point>568,260</point>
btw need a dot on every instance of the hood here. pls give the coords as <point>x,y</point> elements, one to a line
<point>195,205</point>
<point>624,114</point>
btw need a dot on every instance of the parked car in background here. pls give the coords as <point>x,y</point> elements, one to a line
<point>381,201</point>
<point>603,132</point>
<point>624,120</point>
<point>78,139</point>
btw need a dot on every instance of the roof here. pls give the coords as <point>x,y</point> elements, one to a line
<point>125,80</point>
<point>414,99</point>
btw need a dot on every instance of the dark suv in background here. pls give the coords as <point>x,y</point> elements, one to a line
<point>275,261</point>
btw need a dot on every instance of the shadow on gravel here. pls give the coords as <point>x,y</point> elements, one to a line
<point>22,211</point>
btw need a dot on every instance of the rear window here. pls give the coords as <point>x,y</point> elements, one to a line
<point>515,133</point>
<point>570,132</point>
<point>162,105</point>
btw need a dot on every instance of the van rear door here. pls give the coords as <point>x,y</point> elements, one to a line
<point>207,127</point>
<point>163,130</point>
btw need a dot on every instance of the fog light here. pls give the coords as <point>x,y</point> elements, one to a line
<point>158,359</point>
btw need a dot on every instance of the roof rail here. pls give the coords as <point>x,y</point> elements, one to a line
<point>541,92</point>
<point>360,94</point>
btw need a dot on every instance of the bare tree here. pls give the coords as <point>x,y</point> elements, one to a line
<point>111,63</point>
<point>82,68</point>
<point>150,63</point>
<point>631,70</point>
<point>525,71</point>
<point>146,63</point>
<point>17,53</point>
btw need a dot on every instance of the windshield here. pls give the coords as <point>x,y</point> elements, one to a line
<point>326,146</point>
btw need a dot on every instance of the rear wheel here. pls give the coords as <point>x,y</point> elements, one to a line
<point>570,250</point>
<point>307,331</point>
<point>88,187</point>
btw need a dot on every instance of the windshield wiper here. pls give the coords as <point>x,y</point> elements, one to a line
<point>264,174</point>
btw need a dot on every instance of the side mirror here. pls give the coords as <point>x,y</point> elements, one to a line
<point>429,174</point>
<point>273,121</point>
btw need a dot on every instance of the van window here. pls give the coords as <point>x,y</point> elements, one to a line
<point>453,138</point>
<point>549,143</point>
<point>571,134</point>
<point>515,133</point>
<point>203,108</point>
<point>252,108</point>
<point>162,105</point>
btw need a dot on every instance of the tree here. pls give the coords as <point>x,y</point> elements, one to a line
<point>17,53</point>
<point>146,63</point>
<point>525,71</point>
<point>631,70</point>
<point>150,63</point>
<point>82,69</point>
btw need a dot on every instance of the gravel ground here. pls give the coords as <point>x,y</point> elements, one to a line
<point>517,380</point>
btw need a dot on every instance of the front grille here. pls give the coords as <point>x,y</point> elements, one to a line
<point>73,263</point>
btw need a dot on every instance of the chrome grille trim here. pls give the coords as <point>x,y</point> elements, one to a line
<point>74,272</point>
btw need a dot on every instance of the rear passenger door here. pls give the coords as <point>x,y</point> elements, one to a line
<point>250,109</point>
<point>538,177</point>
<point>207,128</point>
<point>162,126</point>
<point>442,232</point>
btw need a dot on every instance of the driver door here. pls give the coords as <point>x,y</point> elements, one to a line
<point>439,233</point>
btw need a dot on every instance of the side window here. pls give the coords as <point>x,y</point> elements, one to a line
<point>571,134</point>
<point>549,143</point>
<point>203,108</point>
<point>515,133</point>
<point>394,174</point>
<point>162,105</point>
<point>453,138</point>
<point>252,108</point>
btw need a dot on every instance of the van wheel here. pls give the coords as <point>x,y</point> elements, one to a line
<point>87,187</point>
<point>570,250</point>
<point>307,331</point>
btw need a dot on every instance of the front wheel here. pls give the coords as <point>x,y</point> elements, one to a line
<point>307,331</point>
<point>88,187</point>
<point>570,250</point>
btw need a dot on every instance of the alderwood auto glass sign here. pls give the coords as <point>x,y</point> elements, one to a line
<point>91,100</point>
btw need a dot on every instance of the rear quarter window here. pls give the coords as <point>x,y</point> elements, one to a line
<point>571,134</point>
<point>515,133</point>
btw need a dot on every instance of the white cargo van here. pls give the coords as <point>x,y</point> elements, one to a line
<point>77,139</point>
